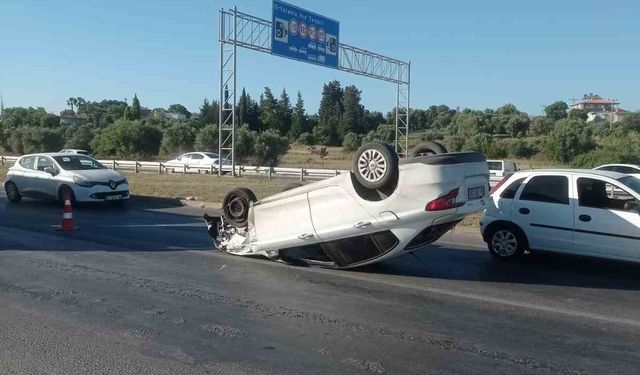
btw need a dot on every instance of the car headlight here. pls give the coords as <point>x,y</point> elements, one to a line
<point>82,182</point>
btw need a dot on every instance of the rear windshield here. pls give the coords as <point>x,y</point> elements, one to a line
<point>495,165</point>
<point>77,162</point>
<point>632,182</point>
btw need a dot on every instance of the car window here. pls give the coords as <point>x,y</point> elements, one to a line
<point>607,168</point>
<point>596,193</point>
<point>43,162</point>
<point>549,189</point>
<point>495,165</point>
<point>196,157</point>
<point>28,162</point>
<point>77,162</point>
<point>211,155</point>
<point>184,157</point>
<point>510,191</point>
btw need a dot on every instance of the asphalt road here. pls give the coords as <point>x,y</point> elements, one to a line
<point>137,290</point>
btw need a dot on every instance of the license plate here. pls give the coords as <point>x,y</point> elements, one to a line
<point>476,192</point>
<point>113,197</point>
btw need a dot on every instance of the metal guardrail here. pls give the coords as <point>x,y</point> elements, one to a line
<point>135,166</point>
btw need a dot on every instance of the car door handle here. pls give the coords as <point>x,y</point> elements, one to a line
<point>362,224</point>
<point>524,211</point>
<point>585,218</point>
<point>305,236</point>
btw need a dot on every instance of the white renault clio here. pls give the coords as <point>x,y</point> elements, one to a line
<point>53,176</point>
<point>585,212</point>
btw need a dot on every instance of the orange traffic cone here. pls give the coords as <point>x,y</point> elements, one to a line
<point>67,215</point>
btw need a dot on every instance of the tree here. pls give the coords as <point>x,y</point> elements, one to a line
<point>245,142</point>
<point>71,102</point>
<point>268,116</point>
<point>556,111</point>
<point>568,139</point>
<point>352,119</point>
<point>79,137</point>
<point>209,112</point>
<point>518,125</point>
<point>299,122</point>
<point>178,138</point>
<point>207,138</point>
<point>541,125</point>
<point>306,139</point>
<point>323,153</point>
<point>179,109</point>
<point>479,143</point>
<point>284,113</point>
<point>80,103</point>
<point>329,113</point>
<point>134,112</point>
<point>126,138</point>
<point>578,114</point>
<point>372,120</point>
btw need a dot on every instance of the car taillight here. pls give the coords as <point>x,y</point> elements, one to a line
<point>493,189</point>
<point>445,202</point>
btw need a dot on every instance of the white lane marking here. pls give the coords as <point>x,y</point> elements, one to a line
<point>450,293</point>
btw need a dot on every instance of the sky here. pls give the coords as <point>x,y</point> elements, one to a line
<point>463,53</point>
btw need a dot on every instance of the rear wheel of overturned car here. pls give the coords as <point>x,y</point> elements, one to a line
<point>235,206</point>
<point>375,165</point>
<point>506,242</point>
<point>13,194</point>
<point>429,148</point>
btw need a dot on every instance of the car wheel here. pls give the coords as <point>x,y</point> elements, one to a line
<point>375,165</point>
<point>506,242</point>
<point>13,194</point>
<point>64,191</point>
<point>235,206</point>
<point>429,148</point>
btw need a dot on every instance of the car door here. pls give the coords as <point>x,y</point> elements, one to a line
<point>283,223</point>
<point>337,214</point>
<point>27,180</point>
<point>605,224</point>
<point>44,183</point>
<point>544,211</point>
<point>197,162</point>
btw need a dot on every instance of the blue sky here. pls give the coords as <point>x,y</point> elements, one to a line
<point>467,53</point>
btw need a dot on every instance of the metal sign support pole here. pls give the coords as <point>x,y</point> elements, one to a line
<point>227,114</point>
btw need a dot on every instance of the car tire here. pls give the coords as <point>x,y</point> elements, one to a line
<point>235,207</point>
<point>64,190</point>
<point>375,165</point>
<point>13,194</point>
<point>429,148</point>
<point>506,242</point>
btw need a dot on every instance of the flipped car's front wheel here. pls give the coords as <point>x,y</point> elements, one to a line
<point>375,165</point>
<point>235,206</point>
<point>429,148</point>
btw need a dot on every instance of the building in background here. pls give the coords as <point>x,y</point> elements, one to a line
<point>599,109</point>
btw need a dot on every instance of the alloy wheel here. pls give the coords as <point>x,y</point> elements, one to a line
<point>372,165</point>
<point>504,243</point>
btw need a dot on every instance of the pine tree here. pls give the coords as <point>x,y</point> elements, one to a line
<point>299,122</point>
<point>134,112</point>
<point>329,114</point>
<point>352,119</point>
<point>268,104</point>
<point>283,113</point>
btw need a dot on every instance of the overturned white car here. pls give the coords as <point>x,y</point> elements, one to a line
<point>383,209</point>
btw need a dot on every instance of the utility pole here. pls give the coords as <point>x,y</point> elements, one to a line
<point>613,104</point>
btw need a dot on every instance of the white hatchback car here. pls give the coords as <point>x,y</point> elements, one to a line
<point>53,176</point>
<point>382,209</point>
<point>585,212</point>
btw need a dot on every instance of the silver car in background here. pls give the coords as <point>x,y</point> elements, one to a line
<point>53,176</point>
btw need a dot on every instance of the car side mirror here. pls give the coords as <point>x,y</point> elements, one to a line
<point>50,170</point>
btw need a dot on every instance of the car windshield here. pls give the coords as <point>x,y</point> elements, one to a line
<point>632,183</point>
<point>77,162</point>
<point>211,155</point>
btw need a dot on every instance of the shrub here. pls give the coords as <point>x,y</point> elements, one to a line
<point>521,149</point>
<point>128,139</point>
<point>383,134</point>
<point>207,138</point>
<point>269,145</point>
<point>79,137</point>
<point>625,150</point>
<point>306,139</point>
<point>568,139</point>
<point>478,142</point>
<point>178,138</point>
<point>351,142</point>
<point>245,142</point>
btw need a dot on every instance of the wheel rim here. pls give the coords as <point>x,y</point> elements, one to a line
<point>504,243</point>
<point>12,191</point>
<point>236,208</point>
<point>372,165</point>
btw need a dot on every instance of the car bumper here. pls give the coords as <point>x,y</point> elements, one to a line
<point>100,193</point>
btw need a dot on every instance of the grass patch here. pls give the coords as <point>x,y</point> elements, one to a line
<point>205,187</point>
<point>299,156</point>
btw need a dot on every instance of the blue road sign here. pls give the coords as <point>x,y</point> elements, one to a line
<point>303,35</point>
